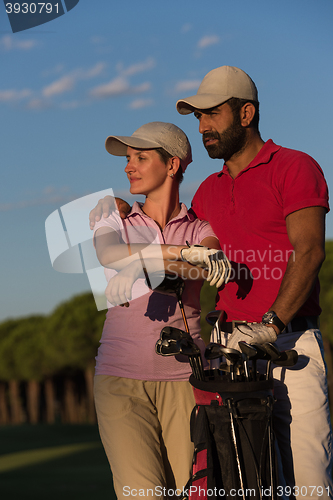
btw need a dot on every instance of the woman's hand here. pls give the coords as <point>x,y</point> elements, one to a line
<point>119,289</point>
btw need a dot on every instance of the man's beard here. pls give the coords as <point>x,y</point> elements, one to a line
<point>230,142</point>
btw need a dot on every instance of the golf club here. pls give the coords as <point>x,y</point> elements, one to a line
<point>166,348</point>
<point>287,358</point>
<point>234,357</point>
<point>234,439</point>
<point>189,348</point>
<point>213,350</point>
<point>249,353</point>
<point>172,333</point>
<point>213,318</point>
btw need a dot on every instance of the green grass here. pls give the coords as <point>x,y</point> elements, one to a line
<point>53,462</point>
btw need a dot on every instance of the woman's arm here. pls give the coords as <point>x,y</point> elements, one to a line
<point>119,289</point>
<point>114,254</point>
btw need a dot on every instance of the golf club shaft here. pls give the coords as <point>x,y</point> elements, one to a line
<point>193,367</point>
<point>181,305</point>
<point>268,369</point>
<point>234,438</point>
<point>200,367</point>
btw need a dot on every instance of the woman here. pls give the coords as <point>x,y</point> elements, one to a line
<point>144,401</point>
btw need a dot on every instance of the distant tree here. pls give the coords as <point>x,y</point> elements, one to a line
<point>326,317</point>
<point>7,374</point>
<point>30,361</point>
<point>73,333</point>
<point>22,360</point>
<point>326,293</point>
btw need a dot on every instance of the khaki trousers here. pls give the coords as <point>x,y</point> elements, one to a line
<point>145,430</point>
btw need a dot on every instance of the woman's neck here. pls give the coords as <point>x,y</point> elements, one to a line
<point>162,208</point>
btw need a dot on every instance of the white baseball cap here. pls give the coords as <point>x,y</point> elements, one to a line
<point>218,86</point>
<point>154,135</point>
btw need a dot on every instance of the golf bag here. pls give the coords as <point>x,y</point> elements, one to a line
<point>231,428</point>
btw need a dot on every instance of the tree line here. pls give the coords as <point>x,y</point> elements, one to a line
<point>47,362</point>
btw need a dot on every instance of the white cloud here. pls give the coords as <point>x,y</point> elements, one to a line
<point>14,95</point>
<point>8,42</point>
<point>64,84</point>
<point>68,82</point>
<point>94,71</point>
<point>187,85</point>
<point>37,104</point>
<point>144,87</point>
<point>137,68</point>
<point>141,103</point>
<point>118,86</point>
<point>206,41</point>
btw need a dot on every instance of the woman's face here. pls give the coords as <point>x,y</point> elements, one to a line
<point>145,170</point>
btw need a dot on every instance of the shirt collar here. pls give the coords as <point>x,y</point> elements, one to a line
<point>184,213</point>
<point>264,156</point>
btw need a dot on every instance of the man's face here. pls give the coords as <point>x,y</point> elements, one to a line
<point>222,133</point>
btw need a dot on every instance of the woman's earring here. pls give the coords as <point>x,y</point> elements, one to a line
<point>172,176</point>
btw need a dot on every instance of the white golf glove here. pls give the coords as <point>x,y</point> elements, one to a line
<point>215,261</point>
<point>254,333</point>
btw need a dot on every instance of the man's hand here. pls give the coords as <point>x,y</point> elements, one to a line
<point>119,289</point>
<point>215,261</point>
<point>253,333</point>
<point>104,208</point>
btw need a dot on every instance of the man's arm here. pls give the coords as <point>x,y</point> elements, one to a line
<point>104,208</point>
<point>306,232</point>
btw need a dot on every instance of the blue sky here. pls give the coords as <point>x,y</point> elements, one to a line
<point>108,67</point>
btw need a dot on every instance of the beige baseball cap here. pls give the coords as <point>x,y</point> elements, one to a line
<point>154,135</point>
<point>218,86</point>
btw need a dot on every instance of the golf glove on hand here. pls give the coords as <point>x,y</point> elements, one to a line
<point>255,333</point>
<point>215,261</point>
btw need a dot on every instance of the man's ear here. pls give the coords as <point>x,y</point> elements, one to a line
<point>247,113</point>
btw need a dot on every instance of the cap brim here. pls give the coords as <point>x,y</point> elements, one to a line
<point>200,101</point>
<point>117,145</point>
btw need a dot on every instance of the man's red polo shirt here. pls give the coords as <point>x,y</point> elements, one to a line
<point>248,216</point>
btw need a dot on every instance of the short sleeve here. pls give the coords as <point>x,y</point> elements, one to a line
<point>113,221</point>
<point>303,185</point>
<point>205,231</point>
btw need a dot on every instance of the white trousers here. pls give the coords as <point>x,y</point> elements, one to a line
<point>302,418</point>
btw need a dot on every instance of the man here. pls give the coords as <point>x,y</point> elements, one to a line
<point>267,206</point>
